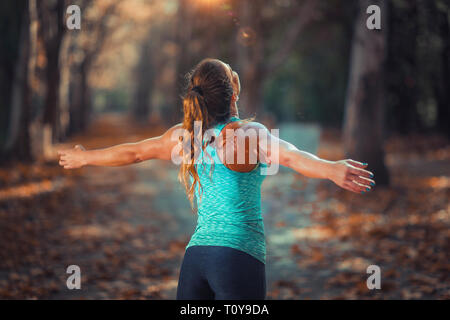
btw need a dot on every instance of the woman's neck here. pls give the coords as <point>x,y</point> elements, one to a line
<point>234,112</point>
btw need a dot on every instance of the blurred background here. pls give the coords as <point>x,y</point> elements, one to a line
<point>311,68</point>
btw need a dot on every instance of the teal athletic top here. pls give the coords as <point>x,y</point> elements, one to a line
<point>229,211</point>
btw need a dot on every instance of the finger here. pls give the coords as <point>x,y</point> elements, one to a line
<point>62,162</point>
<point>360,172</point>
<point>351,187</point>
<point>363,181</point>
<point>357,163</point>
<point>79,147</point>
<point>359,187</point>
<point>61,152</point>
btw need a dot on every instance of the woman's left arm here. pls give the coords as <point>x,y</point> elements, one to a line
<point>122,154</point>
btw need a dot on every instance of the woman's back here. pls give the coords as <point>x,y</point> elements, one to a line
<point>228,204</point>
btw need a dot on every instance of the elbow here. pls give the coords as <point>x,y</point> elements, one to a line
<point>137,158</point>
<point>286,160</point>
<point>136,154</point>
<point>131,156</point>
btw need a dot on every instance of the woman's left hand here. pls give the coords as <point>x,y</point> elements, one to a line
<point>72,158</point>
<point>351,175</point>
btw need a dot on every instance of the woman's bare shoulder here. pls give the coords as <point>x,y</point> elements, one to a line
<point>241,129</point>
<point>246,125</point>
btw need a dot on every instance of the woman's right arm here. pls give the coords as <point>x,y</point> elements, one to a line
<point>348,174</point>
<point>122,154</point>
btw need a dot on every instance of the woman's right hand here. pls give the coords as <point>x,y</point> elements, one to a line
<point>351,175</point>
<point>72,158</point>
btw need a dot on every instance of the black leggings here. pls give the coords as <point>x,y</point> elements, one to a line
<point>221,273</point>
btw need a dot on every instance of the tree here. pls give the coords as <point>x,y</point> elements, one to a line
<point>402,66</point>
<point>442,81</point>
<point>15,77</point>
<point>255,60</point>
<point>145,77</point>
<point>52,29</point>
<point>96,32</point>
<point>183,34</point>
<point>364,111</point>
<point>194,22</point>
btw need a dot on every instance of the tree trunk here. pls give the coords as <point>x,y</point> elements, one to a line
<point>182,63</point>
<point>144,75</point>
<point>254,64</point>
<point>52,28</point>
<point>250,52</point>
<point>67,51</point>
<point>364,111</point>
<point>80,105</point>
<point>443,86</point>
<point>402,67</point>
<point>74,102</point>
<point>17,144</point>
<point>251,98</point>
<point>85,95</point>
<point>80,96</point>
<point>51,107</point>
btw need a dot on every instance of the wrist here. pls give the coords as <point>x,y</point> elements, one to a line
<point>84,158</point>
<point>331,170</point>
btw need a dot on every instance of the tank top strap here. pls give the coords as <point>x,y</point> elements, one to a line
<point>217,130</point>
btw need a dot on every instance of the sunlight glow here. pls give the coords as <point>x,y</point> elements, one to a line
<point>208,3</point>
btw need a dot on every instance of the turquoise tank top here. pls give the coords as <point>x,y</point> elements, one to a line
<point>229,211</point>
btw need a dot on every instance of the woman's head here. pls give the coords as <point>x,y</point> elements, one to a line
<point>211,94</point>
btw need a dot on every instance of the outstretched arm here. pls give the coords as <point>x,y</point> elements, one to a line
<point>348,174</point>
<point>122,154</point>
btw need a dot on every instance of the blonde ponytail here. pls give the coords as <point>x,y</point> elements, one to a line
<point>207,100</point>
<point>195,109</point>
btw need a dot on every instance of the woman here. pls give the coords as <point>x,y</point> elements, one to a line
<point>225,258</point>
